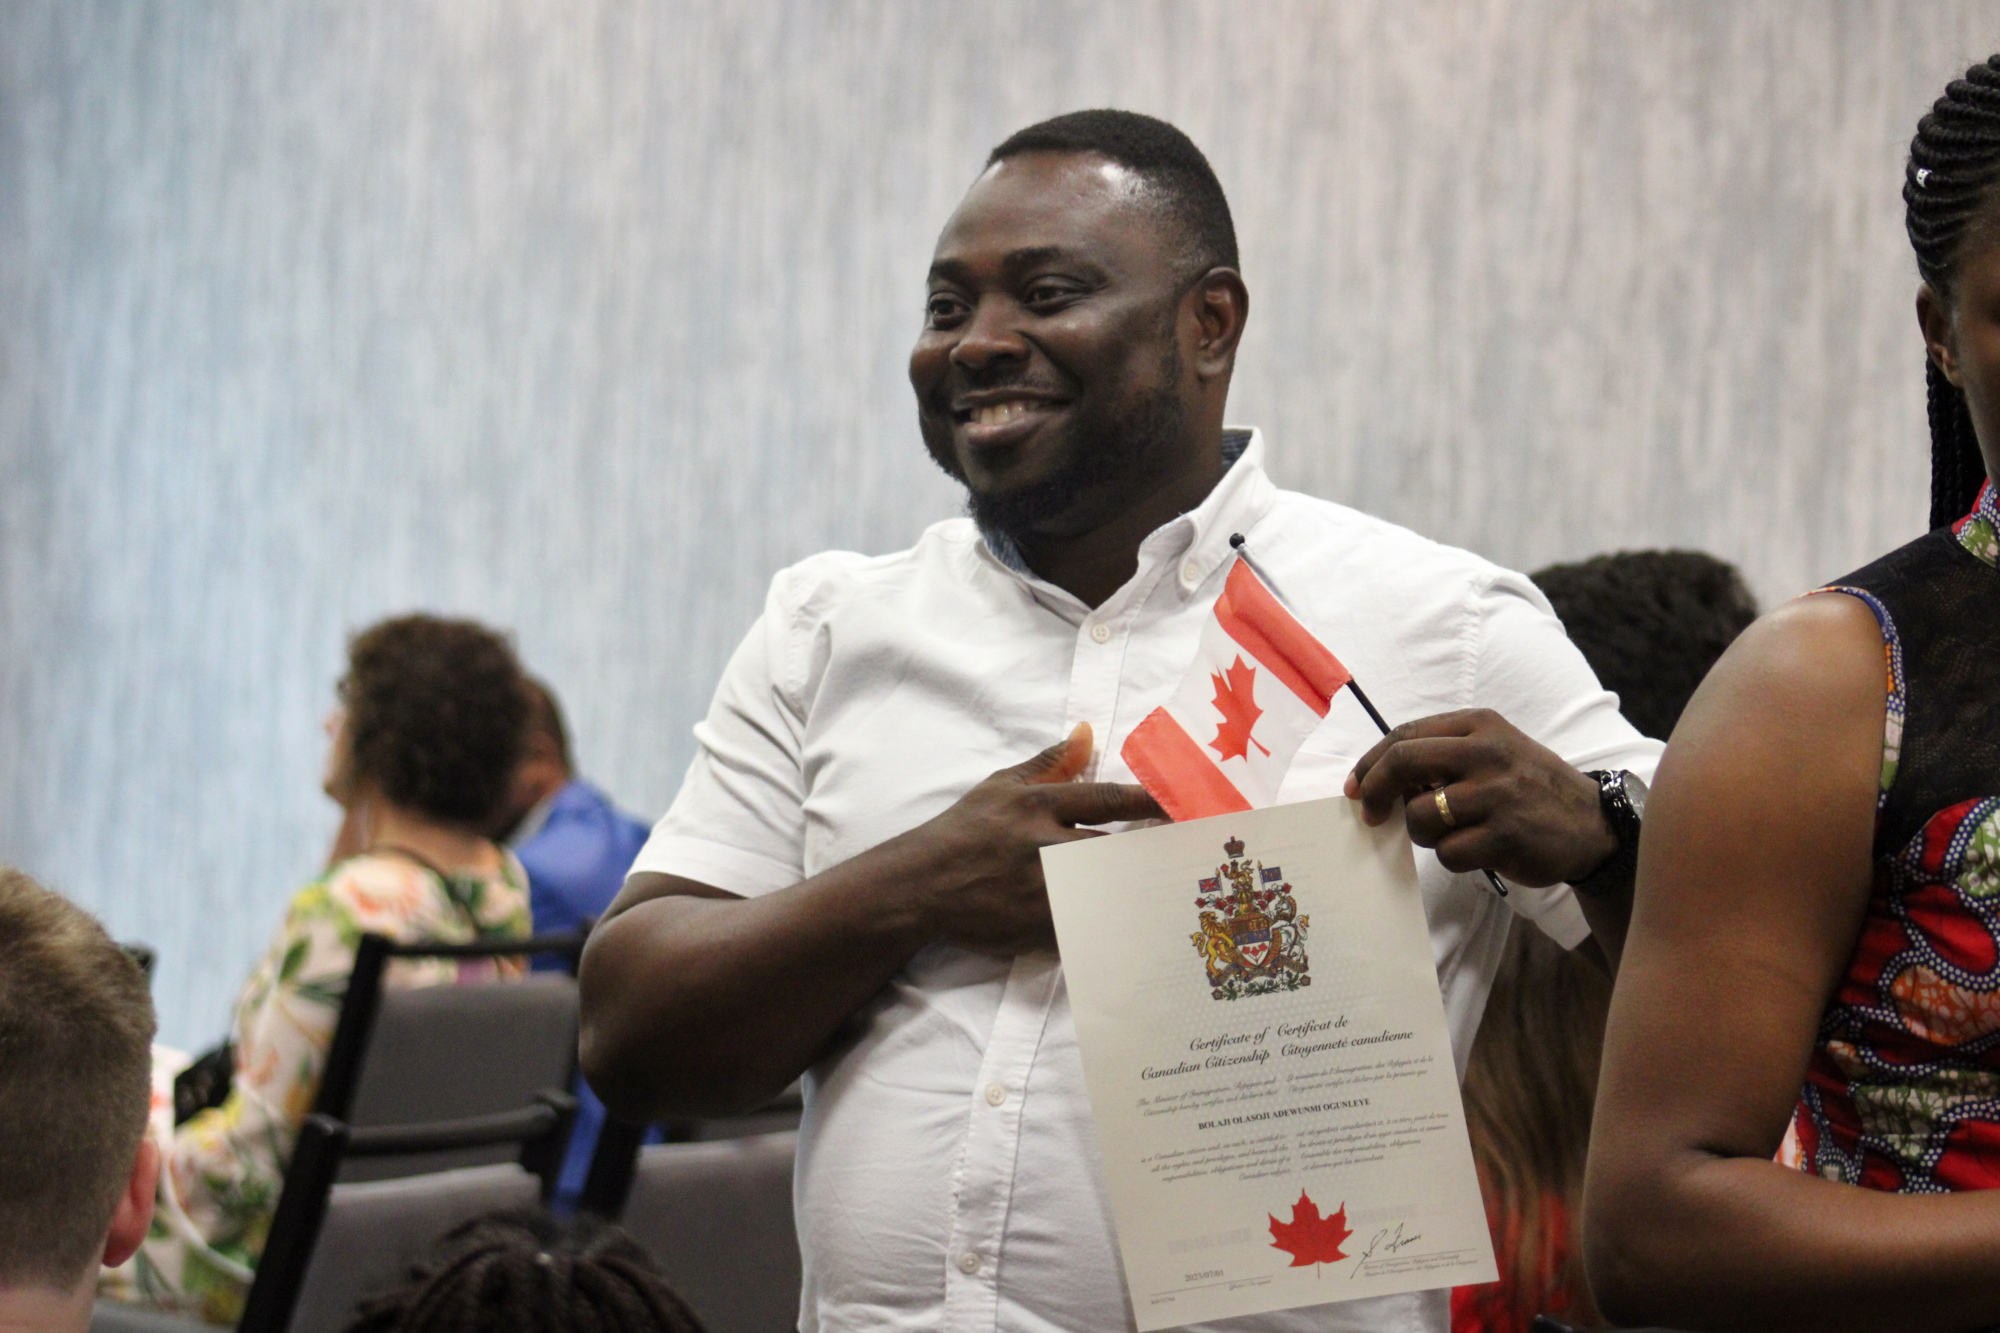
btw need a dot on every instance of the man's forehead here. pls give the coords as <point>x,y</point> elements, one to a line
<point>1085,173</point>
<point>1042,205</point>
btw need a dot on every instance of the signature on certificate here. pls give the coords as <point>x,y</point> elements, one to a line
<point>1389,1242</point>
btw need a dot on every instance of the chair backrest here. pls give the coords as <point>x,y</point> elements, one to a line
<point>609,1179</point>
<point>376,1229</point>
<point>409,1056</point>
<point>331,1245</point>
<point>447,1052</point>
<point>718,1218</point>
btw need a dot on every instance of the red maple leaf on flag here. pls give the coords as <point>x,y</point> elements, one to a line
<point>1308,1237</point>
<point>1236,700</point>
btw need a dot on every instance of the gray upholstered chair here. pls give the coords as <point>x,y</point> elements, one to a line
<point>376,1229</point>
<point>618,1143</point>
<point>718,1218</point>
<point>332,1245</point>
<point>412,1056</point>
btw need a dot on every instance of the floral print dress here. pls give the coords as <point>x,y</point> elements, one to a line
<point>223,1169</point>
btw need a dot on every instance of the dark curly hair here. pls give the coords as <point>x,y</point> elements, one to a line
<point>1651,624</point>
<point>437,715</point>
<point>525,1270</point>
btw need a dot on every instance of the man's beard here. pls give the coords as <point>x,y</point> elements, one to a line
<point>1130,448</point>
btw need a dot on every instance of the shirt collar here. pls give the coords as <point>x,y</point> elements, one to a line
<point>538,814</point>
<point>1202,534</point>
<point>1979,531</point>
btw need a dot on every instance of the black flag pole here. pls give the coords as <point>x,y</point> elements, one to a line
<point>1360,695</point>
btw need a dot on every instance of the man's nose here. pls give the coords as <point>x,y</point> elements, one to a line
<point>990,336</point>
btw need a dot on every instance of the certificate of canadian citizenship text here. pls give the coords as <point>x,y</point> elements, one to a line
<point>1268,1064</point>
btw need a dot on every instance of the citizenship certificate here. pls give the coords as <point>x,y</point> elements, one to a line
<point>1268,1063</point>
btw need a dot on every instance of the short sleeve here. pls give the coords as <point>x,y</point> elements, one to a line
<point>738,823</point>
<point>1527,670</point>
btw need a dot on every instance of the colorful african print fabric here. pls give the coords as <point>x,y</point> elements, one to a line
<point>1903,1089</point>
<point>223,1169</point>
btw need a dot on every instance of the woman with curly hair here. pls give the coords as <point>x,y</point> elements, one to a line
<point>432,719</point>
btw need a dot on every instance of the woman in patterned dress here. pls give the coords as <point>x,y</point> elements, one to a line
<point>1813,972</point>
<point>432,721</point>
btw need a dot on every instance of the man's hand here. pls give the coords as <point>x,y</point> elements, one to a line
<point>700,1003</point>
<point>1517,808</point>
<point>984,888</point>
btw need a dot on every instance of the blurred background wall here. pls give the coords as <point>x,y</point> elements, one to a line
<point>585,316</point>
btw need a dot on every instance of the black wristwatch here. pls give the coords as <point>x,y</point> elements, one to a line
<point>1622,796</point>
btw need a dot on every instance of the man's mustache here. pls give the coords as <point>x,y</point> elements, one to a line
<point>964,379</point>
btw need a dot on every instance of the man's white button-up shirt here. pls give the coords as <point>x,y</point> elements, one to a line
<point>948,1173</point>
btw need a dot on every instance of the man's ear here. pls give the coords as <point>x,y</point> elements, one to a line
<point>1221,307</point>
<point>1934,318</point>
<point>135,1205</point>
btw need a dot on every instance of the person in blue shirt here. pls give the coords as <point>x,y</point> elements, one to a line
<point>576,847</point>
<point>575,844</point>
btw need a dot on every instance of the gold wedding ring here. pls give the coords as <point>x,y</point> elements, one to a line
<point>1444,808</point>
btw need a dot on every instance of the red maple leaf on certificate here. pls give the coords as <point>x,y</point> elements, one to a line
<point>1308,1237</point>
<point>1236,700</point>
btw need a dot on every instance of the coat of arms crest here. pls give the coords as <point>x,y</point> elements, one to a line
<point>1252,938</point>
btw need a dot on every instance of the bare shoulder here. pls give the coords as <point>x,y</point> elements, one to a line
<point>1800,635</point>
<point>1814,663</point>
<point>1762,816</point>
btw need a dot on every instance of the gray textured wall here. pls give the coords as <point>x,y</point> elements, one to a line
<point>584,317</point>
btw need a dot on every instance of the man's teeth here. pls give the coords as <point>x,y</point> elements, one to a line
<point>999,414</point>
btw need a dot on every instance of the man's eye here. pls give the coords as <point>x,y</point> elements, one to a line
<point>943,309</point>
<point>1049,293</point>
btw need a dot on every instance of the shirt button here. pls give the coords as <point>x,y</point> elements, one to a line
<point>1191,572</point>
<point>995,1094</point>
<point>1100,632</point>
<point>968,1263</point>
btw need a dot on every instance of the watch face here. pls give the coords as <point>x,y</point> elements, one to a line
<point>1635,791</point>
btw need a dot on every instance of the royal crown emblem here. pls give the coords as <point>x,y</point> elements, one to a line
<point>1252,938</point>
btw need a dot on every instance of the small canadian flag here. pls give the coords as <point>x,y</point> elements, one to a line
<point>1259,684</point>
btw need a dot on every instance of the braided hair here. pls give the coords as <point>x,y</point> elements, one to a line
<point>1954,165</point>
<point>525,1270</point>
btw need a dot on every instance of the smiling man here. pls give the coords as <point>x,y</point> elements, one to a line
<point>848,885</point>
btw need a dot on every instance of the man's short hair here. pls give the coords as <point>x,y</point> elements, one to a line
<point>1174,170</point>
<point>1651,624</point>
<point>545,718</point>
<point>76,1032</point>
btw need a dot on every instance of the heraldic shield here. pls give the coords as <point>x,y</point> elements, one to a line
<point>1252,938</point>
